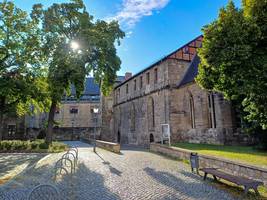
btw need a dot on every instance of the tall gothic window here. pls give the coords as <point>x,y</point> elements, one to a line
<point>212,116</point>
<point>141,82</point>
<point>147,78</point>
<point>192,111</point>
<point>155,75</point>
<point>132,117</point>
<point>151,113</point>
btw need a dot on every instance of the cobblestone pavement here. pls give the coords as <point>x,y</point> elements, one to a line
<point>12,164</point>
<point>134,174</point>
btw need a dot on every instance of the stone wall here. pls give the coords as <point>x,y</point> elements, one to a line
<point>106,117</point>
<point>134,121</point>
<point>229,166</point>
<point>84,117</point>
<point>66,133</point>
<point>114,147</point>
<point>14,128</point>
<point>202,130</point>
<point>154,97</point>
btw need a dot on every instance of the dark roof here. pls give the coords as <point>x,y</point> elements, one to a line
<point>120,79</point>
<point>157,62</point>
<point>90,88</point>
<point>191,72</point>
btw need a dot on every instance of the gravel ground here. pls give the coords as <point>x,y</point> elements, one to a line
<point>134,174</point>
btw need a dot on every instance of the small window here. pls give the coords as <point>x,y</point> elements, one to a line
<point>73,110</point>
<point>127,88</point>
<point>212,116</point>
<point>135,84</point>
<point>11,130</point>
<point>118,95</point>
<point>147,77</point>
<point>192,111</point>
<point>141,82</point>
<point>156,75</point>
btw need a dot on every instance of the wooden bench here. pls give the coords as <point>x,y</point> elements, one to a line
<point>247,183</point>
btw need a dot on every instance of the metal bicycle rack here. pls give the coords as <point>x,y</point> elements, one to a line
<point>71,156</point>
<point>67,155</point>
<point>75,149</point>
<point>59,168</point>
<point>60,162</point>
<point>44,191</point>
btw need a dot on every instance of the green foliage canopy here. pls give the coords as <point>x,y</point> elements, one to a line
<point>234,57</point>
<point>20,61</point>
<point>66,24</point>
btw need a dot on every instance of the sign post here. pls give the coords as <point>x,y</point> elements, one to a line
<point>166,134</point>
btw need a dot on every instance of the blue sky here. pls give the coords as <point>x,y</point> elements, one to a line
<point>154,28</point>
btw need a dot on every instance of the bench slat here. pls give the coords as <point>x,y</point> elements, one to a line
<point>232,178</point>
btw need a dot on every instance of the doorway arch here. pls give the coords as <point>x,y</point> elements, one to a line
<point>119,137</point>
<point>151,138</point>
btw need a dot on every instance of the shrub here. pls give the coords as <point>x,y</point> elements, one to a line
<point>43,146</point>
<point>33,146</point>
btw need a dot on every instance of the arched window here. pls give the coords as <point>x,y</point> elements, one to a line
<point>151,138</point>
<point>212,117</point>
<point>132,117</point>
<point>151,113</point>
<point>119,137</point>
<point>192,111</point>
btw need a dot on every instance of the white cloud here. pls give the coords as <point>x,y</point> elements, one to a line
<point>129,33</point>
<point>133,10</point>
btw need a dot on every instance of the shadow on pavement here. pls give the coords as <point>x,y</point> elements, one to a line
<point>9,163</point>
<point>233,189</point>
<point>85,184</point>
<point>78,144</point>
<point>113,170</point>
<point>185,189</point>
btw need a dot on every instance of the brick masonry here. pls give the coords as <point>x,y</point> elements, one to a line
<point>229,166</point>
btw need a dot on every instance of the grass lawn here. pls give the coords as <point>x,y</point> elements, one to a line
<point>243,154</point>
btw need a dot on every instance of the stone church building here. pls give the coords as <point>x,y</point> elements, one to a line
<point>166,93</point>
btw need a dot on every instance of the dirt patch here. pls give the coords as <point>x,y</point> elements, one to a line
<point>4,180</point>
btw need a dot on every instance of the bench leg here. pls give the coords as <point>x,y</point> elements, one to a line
<point>257,192</point>
<point>255,188</point>
<point>205,176</point>
<point>246,189</point>
<point>215,178</point>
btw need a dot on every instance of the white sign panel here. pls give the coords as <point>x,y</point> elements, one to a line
<point>165,130</point>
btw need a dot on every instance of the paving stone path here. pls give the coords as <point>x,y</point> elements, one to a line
<point>134,174</point>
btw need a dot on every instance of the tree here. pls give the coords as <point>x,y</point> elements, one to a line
<point>233,58</point>
<point>19,60</point>
<point>74,46</point>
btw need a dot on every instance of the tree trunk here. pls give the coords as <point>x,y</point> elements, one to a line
<point>51,115</point>
<point>1,125</point>
<point>2,107</point>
